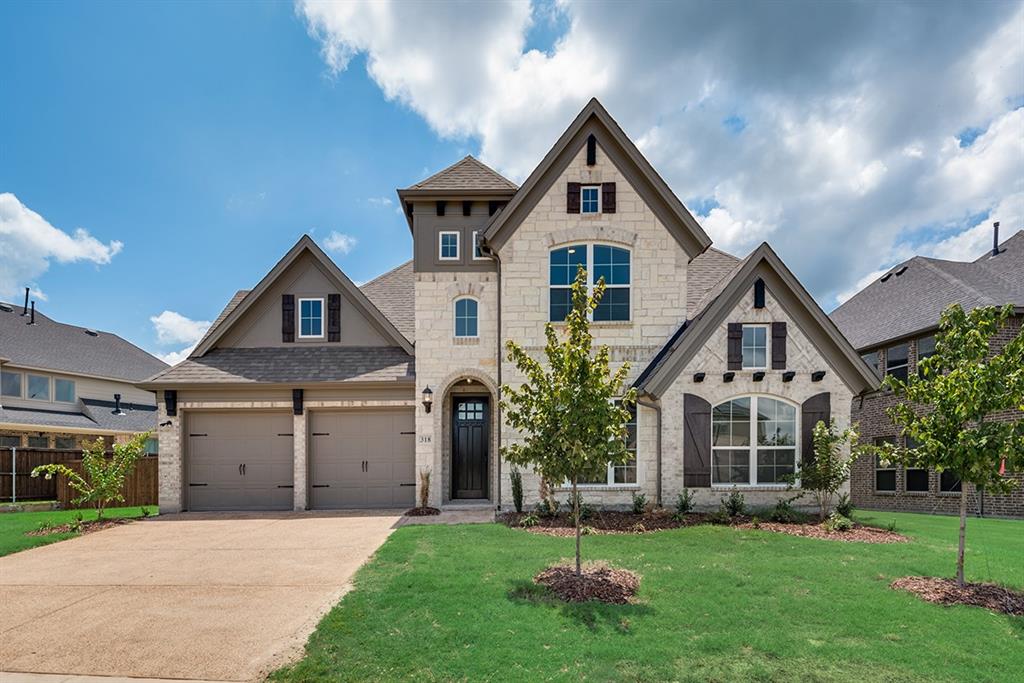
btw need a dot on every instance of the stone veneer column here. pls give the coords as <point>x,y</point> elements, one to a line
<point>170,461</point>
<point>299,442</point>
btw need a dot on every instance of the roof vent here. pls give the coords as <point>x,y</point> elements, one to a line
<point>886,276</point>
<point>92,333</point>
<point>6,309</point>
<point>901,270</point>
<point>117,406</point>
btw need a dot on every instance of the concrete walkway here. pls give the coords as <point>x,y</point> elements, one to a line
<point>219,597</point>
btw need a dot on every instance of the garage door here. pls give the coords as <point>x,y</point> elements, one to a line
<point>240,461</point>
<point>362,459</point>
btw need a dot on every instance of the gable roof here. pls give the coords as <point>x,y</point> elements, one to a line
<point>56,346</point>
<point>765,264</point>
<point>232,304</point>
<point>706,271</point>
<point>910,297</point>
<point>613,140</point>
<point>394,294</point>
<point>468,173</point>
<point>304,245</point>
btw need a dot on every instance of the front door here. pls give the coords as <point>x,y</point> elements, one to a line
<point>469,447</point>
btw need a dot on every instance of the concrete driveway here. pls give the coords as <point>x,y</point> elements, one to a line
<point>211,596</point>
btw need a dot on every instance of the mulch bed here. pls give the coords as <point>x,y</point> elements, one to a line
<point>83,528</point>
<point>858,534</point>
<point>422,512</point>
<point>597,582</point>
<point>946,592</point>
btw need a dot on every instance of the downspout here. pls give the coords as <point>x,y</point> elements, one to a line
<point>656,407</point>
<point>488,251</point>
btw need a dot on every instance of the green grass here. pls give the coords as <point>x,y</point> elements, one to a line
<point>455,603</point>
<point>13,526</point>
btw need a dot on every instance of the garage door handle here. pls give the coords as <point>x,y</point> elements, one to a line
<point>412,432</point>
<point>321,486</point>
<point>288,434</point>
<point>285,486</point>
<point>321,433</point>
<point>191,484</point>
<point>407,484</point>
<point>197,434</point>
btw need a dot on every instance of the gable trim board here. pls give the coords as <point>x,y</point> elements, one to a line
<point>613,141</point>
<point>305,244</point>
<point>763,262</point>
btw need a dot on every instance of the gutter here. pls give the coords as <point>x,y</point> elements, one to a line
<point>486,249</point>
<point>656,407</point>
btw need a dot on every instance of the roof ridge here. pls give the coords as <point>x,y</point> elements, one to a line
<point>954,280</point>
<point>469,158</point>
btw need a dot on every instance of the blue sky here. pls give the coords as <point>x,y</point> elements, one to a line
<point>205,138</point>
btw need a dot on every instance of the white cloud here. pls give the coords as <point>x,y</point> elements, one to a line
<point>848,158</point>
<point>340,243</point>
<point>379,202</point>
<point>174,328</point>
<point>175,357</point>
<point>28,244</point>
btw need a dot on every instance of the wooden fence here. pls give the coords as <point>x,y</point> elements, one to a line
<point>16,481</point>
<point>140,487</point>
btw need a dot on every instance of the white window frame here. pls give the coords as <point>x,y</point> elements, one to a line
<point>49,387</point>
<point>753,446</point>
<point>21,383</point>
<point>589,246</point>
<point>583,188</point>
<point>323,323</point>
<point>440,245</point>
<point>478,254</point>
<point>455,318</point>
<point>767,345</point>
<point>74,389</point>
<point>609,481</point>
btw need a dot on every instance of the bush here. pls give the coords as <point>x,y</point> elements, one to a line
<point>755,522</point>
<point>587,530</point>
<point>844,505</point>
<point>517,488</point>
<point>639,503</point>
<point>684,503</point>
<point>783,513</point>
<point>146,512</point>
<point>837,522</point>
<point>638,528</point>
<point>528,521</point>
<point>586,510</point>
<point>546,509</point>
<point>735,504</point>
<point>891,526</point>
<point>719,516</point>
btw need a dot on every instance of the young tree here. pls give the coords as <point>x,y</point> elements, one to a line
<point>948,406</point>
<point>570,409</point>
<point>102,478</point>
<point>823,475</point>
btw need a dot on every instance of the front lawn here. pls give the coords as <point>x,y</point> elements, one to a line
<point>13,526</point>
<point>441,603</point>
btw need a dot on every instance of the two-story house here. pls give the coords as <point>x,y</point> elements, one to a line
<point>61,384</point>
<point>892,322</point>
<point>310,392</point>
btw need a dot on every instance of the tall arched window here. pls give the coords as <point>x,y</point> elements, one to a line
<point>610,263</point>
<point>753,441</point>
<point>466,324</point>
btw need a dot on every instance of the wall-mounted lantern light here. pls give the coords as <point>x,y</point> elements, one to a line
<point>428,399</point>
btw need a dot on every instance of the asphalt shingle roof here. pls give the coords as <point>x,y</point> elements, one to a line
<point>52,345</point>
<point>466,174</point>
<point>910,298</point>
<point>292,365</point>
<point>393,294</point>
<point>706,271</point>
<point>94,414</point>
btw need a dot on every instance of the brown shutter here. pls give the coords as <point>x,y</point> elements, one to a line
<point>779,346</point>
<point>572,198</point>
<point>817,408</point>
<point>334,317</point>
<point>607,197</point>
<point>735,346</point>
<point>287,317</point>
<point>696,441</point>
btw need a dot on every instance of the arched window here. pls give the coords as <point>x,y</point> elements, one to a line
<point>610,263</point>
<point>466,324</point>
<point>753,441</point>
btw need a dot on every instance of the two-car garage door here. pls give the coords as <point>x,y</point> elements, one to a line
<point>244,460</point>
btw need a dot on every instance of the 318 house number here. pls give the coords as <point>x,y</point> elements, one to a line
<point>424,438</point>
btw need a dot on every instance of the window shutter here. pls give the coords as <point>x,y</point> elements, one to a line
<point>287,317</point>
<point>696,441</point>
<point>735,349</point>
<point>572,198</point>
<point>817,408</point>
<point>591,150</point>
<point>779,346</point>
<point>334,317</point>
<point>607,197</point>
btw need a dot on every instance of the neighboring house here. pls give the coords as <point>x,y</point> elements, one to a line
<point>61,384</point>
<point>309,392</point>
<point>892,323</point>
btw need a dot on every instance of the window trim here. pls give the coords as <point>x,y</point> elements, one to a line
<point>21,383</point>
<point>74,389</point>
<point>584,188</point>
<point>440,245</point>
<point>591,283</point>
<point>476,249</point>
<point>323,326</point>
<point>753,446</point>
<point>767,346</point>
<point>455,318</point>
<point>609,481</point>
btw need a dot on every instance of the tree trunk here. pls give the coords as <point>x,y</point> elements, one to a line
<point>576,519</point>
<point>963,533</point>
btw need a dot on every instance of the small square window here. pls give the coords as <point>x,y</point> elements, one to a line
<point>449,246</point>
<point>896,361</point>
<point>10,442</point>
<point>755,347</point>
<point>38,442</point>
<point>38,387</point>
<point>10,384</point>
<point>65,443</point>
<point>311,318</point>
<point>64,390</point>
<point>949,482</point>
<point>590,199</point>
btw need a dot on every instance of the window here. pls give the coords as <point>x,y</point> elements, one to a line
<point>590,199</point>
<point>925,349</point>
<point>38,387</point>
<point>478,255</point>
<point>64,390</point>
<point>915,479</point>
<point>66,443</point>
<point>311,318</point>
<point>38,442</point>
<point>466,318</point>
<point>769,458</point>
<point>885,471</point>
<point>872,360</point>
<point>610,263</point>
<point>949,482</point>
<point>10,384</point>
<point>896,361</point>
<point>620,474</point>
<point>152,446</point>
<point>10,442</point>
<point>755,347</point>
<point>449,246</point>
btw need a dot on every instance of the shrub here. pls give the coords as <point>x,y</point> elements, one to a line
<point>638,528</point>
<point>586,510</point>
<point>783,512</point>
<point>891,526</point>
<point>639,503</point>
<point>719,516</point>
<point>735,504</point>
<point>844,505</point>
<point>756,522</point>
<point>528,521</point>
<point>424,487</point>
<point>517,488</point>
<point>837,522</point>
<point>586,530</point>
<point>546,508</point>
<point>684,503</point>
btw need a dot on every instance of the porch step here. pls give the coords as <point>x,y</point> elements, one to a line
<point>467,505</point>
